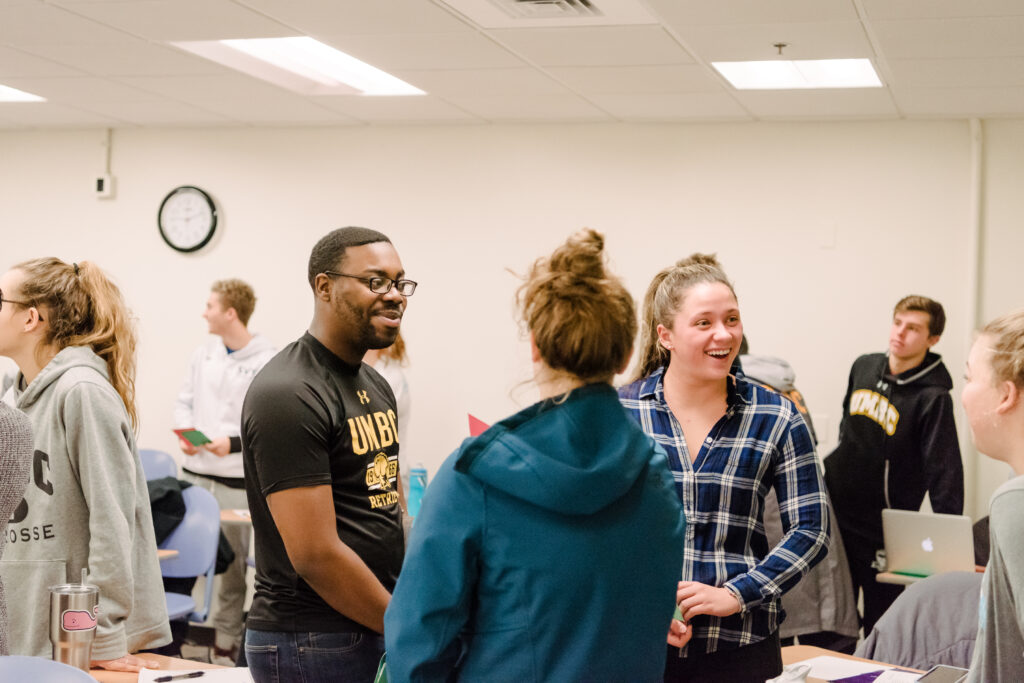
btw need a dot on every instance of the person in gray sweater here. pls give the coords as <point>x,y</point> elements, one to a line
<point>993,400</point>
<point>69,331</point>
<point>15,460</point>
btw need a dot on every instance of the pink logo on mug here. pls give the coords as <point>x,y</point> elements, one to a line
<point>78,620</point>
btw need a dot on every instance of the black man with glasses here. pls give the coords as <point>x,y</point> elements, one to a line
<point>320,447</point>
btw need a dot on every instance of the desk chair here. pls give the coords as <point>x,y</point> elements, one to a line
<point>195,539</point>
<point>157,464</point>
<point>40,670</point>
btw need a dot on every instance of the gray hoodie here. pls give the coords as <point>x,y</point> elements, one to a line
<point>86,506</point>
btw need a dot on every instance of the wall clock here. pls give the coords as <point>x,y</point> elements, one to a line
<point>187,218</point>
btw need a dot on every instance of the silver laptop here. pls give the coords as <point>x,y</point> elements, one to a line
<point>926,543</point>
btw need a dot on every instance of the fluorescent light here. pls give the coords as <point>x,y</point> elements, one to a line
<point>302,64</point>
<point>9,94</point>
<point>781,74</point>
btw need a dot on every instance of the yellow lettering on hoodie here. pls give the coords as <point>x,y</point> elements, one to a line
<point>875,406</point>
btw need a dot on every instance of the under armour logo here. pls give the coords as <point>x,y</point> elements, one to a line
<point>363,398</point>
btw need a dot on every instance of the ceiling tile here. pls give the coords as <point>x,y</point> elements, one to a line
<point>823,104</point>
<point>416,109</point>
<point>940,9</point>
<point>80,90</point>
<point>49,115</point>
<point>481,81</point>
<point>425,51</point>
<point>197,89</point>
<point>530,108</point>
<point>182,19</point>
<point>672,107</point>
<point>833,40</point>
<point>163,113</point>
<point>21,64</point>
<point>945,38</point>
<point>667,78</point>
<point>958,73</point>
<point>39,23</point>
<point>373,16</point>
<point>594,46</point>
<point>701,12</point>
<point>961,102</point>
<point>134,58</point>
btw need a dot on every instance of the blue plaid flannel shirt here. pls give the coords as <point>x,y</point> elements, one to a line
<point>762,441</point>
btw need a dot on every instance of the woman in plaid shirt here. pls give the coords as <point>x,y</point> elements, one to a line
<point>729,442</point>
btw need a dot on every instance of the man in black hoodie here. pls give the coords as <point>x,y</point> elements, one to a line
<point>897,441</point>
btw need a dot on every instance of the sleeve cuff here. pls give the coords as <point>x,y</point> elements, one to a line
<point>236,444</point>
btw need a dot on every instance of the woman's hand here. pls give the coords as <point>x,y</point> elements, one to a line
<point>696,598</point>
<point>679,633</point>
<point>126,663</point>
<point>186,447</point>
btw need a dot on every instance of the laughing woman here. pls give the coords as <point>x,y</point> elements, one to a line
<point>993,399</point>
<point>68,330</point>
<point>729,442</point>
<point>547,547</point>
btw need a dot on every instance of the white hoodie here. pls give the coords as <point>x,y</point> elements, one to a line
<point>211,399</point>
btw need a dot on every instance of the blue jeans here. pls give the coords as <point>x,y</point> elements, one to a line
<point>277,657</point>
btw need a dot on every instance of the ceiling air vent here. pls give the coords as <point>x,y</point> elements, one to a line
<point>551,13</point>
<point>547,9</point>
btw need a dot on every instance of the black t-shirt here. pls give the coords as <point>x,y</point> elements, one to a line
<point>311,419</point>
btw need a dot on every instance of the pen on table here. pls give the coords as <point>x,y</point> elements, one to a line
<point>179,677</point>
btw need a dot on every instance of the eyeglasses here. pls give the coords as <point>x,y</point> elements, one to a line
<point>28,305</point>
<point>380,285</point>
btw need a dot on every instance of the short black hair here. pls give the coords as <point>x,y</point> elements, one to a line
<point>330,250</point>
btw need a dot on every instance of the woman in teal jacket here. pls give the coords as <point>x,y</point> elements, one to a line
<point>547,548</point>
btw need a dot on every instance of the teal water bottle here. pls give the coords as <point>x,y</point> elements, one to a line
<point>417,484</point>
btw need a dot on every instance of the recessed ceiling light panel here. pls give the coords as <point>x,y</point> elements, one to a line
<point>779,74</point>
<point>9,94</point>
<point>301,64</point>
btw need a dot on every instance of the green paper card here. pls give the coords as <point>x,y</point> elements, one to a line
<point>193,436</point>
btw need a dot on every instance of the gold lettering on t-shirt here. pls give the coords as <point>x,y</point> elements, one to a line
<point>387,437</point>
<point>366,424</point>
<point>363,398</point>
<point>359,443</point>
<point>394,426</point>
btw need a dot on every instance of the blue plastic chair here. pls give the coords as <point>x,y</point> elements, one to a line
<point>157,464</point>
<point>40,670</point>
<point>195,539</point>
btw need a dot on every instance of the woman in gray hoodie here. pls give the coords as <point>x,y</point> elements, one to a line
<point>69,331</point>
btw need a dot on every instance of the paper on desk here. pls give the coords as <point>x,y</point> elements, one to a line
<point>831,668</point>
<point>222,675</point>
<point>895,676</point>
<point>242,512</point>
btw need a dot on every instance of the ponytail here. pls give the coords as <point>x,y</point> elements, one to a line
<point>84,308</point>
<point>663,300</point>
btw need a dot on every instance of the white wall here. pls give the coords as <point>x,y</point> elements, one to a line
<point>822,226</point>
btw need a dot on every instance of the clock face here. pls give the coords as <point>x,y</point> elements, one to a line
<point>187,218</point>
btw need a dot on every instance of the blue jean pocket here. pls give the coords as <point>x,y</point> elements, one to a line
<point>262,660</point>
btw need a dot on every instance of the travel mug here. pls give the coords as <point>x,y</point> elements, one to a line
<point>73,611</point>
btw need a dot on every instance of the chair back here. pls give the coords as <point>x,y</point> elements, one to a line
<point>195,538</point>
<point>40,670</point>
<point>157,464</point>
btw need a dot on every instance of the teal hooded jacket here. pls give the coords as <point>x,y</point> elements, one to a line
<point>547,549</point>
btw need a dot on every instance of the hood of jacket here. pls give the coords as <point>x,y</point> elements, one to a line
<point>775,372</point>
<point>931,372</point>
<point>67,359</point>
<point>257,345</point>
<point>574,457</point>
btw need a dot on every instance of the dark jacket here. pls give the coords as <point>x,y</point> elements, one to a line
<point>897,441</point>
<point>547,549</point>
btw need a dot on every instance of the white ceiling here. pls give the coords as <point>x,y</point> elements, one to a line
<point>108,63</point>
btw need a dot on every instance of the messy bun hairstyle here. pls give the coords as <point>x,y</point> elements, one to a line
<point>665,297</point>
<point>1006,334</point>
<point>582,317</point>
